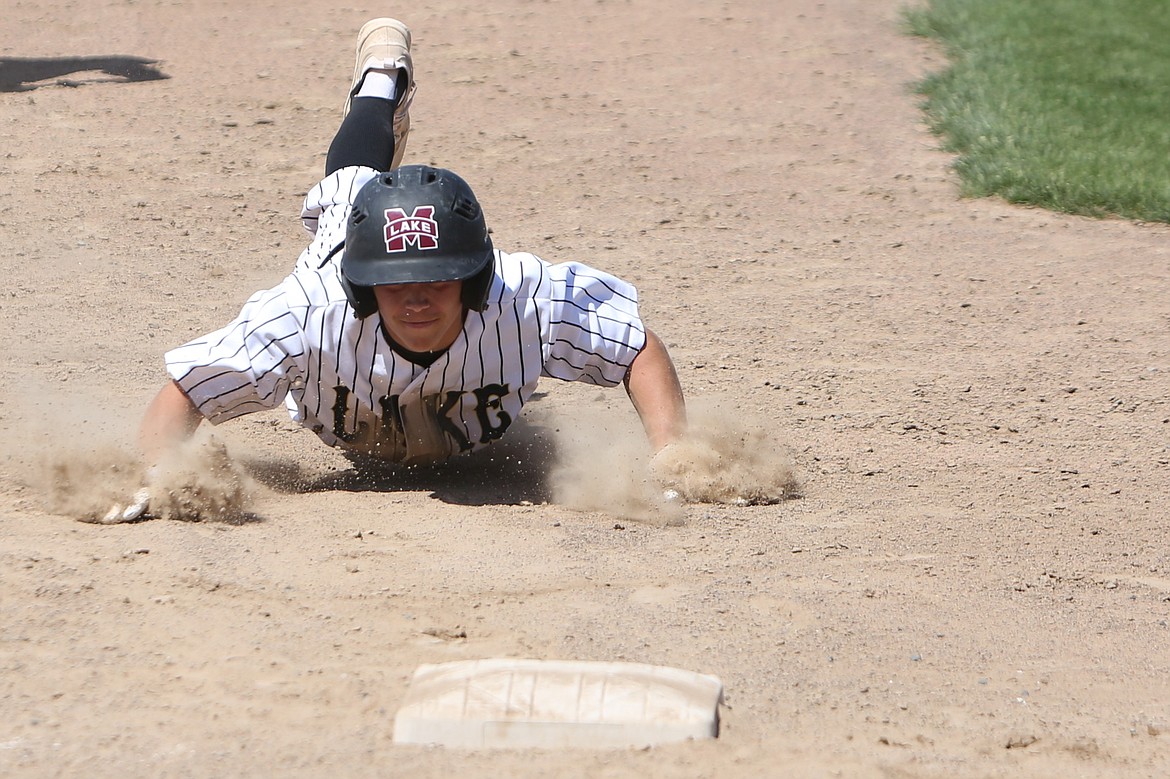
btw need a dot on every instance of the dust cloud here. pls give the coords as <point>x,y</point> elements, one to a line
<point>602,464</point>
<point>198,482</point>
<point>725,457</point>
<point>75,455</point>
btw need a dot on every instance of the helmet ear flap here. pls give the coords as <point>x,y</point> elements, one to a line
<point>475,289</point>
<point>361,299</point>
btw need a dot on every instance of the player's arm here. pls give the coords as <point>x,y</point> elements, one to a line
<point>170,419</point>
<point>654,389</point>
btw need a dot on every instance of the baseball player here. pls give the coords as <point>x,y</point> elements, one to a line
<point>402,332</point>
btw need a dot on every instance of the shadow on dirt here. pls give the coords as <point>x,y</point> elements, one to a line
<point>512,471</point>
<point>18,74</point>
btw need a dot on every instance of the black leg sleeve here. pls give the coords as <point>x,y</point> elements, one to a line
<point>366,136</point>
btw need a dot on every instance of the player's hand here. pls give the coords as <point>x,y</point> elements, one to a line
<point>137,508</point>
<point>667,468</point>
<point>732,470</point>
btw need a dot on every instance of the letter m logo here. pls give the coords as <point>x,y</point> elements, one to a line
<point>418,228</point>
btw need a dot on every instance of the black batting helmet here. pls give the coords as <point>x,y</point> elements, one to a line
<point>416,224</point>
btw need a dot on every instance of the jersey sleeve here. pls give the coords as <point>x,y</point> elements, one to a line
<point>595,331</point>
<point>247,366</point>
<point>335,191</point>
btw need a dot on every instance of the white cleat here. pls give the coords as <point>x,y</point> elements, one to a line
<point>384,44</point>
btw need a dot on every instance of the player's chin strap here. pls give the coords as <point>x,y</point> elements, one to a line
<point>361,299</point>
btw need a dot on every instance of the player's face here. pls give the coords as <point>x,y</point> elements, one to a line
<point>422,317</point>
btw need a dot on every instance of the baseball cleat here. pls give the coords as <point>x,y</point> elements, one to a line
<point>384,44</point>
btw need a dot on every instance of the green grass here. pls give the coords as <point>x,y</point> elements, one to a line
<point>1063,104</point>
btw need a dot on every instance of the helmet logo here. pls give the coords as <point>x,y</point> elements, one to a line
<point>420,229</point>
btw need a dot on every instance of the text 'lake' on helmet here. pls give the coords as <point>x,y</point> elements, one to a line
<point>415,225</point>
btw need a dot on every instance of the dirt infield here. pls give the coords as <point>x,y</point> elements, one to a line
<point>974,581</point>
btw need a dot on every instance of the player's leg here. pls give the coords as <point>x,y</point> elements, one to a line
<point>377,109</point>
<point>366,136</point>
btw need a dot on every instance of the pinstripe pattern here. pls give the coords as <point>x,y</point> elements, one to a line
<point>299,343</point>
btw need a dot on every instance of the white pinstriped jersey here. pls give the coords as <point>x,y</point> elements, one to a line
<point>299,343</point>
